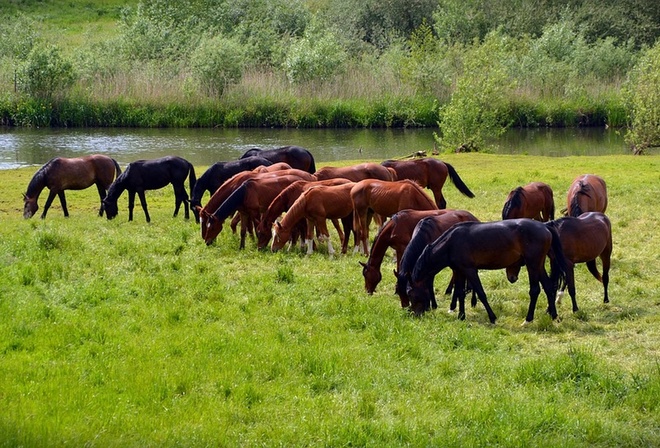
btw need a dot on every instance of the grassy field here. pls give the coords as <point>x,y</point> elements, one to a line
<point>116,333</point>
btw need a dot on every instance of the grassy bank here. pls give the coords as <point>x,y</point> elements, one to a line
<point>128,334</point>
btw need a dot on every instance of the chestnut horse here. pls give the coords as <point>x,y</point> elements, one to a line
<point>429,173</point>
<point>425,232</point>
<point>250,199</point>
<point>384,198</point>
<point>583,239</point>
<point>316,205</point>
<point>61,174</point>
<point>143,175</point>
<point>356,173</point>
<point>294,156</point>
<point>534,201</point>
<point>587,193</point>
<point>217,174</point>
<point>285,200</point>
<point>396,234</point>
<point>470,246</point>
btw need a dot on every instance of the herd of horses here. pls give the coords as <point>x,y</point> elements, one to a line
<point>426,237</point>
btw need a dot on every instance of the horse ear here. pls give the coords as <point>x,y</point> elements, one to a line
<point>396,274</point>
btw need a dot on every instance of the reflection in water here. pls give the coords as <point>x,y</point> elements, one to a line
<point>203,147</point>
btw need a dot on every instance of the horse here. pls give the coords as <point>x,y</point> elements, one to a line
<point>430,173</point>
<point>250,199</point>
<point>316,205</point>
<point>217,174</point>
<point>534,201</point>
<point>587,193</point>
<point>583,239</point>
<point>61,174</point>
<point>295,156</point>
<point>384,198</point>
<point>153,174</point>
<point>396,234</point>
<point>356,173</point>
<point>426,231</point>
<point>285,200</point>
<point>229,186</point>
<point>469,246</point>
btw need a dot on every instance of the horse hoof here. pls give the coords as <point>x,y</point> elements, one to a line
<point>525,323</point>
<point>450,311</point>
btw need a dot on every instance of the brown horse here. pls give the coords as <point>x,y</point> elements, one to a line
<point>384,198</point>
<point>61,174</point>
<point>250,200</point>
<point>316,205</point>
<point>587,193</point>
<point>356,173</point>
<point>583,239</point>
<point>396,234</point>
<point>534,201</point>
<point>429,173</point>
<point>285,200</point>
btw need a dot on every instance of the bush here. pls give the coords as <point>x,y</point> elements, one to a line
<point>217,62</point>
<point>45,73</point>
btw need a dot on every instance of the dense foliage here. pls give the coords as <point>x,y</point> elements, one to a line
<point>339,63</point>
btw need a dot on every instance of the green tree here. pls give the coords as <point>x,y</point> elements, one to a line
<point>217,62</point>
<point>45,73</point>
<point>644,97</point>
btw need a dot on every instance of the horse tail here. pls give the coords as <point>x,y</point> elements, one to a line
<point>558,262</point>
<point>312,164</point>
<point>117,168</point>
<point>192,179</point>
<point>458,182</point>
<point>591,265</point>
<point>231,204</point>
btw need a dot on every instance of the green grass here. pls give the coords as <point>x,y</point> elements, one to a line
<point>133,334</point>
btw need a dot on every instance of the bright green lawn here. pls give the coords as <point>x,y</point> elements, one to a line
<point>132,334</point>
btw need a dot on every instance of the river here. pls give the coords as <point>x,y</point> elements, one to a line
<point>25,147</point>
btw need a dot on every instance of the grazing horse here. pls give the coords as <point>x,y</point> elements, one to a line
<point>229,186</point>
<point>250,200</point>
<point>154,174</point>
<point>534,201</point>
<point>583,239</point>
<point>285,200</point>
<point>429,173</point>
<point>425,232</point>
<point>61,174</point>
<point>217,174</point>
<point>587,193</point>
<point>470,246</point>
<point>316,205</point>
<point>396,234</point>
<point>295,156</point>
<point>356,173</point>
<point>384,198</point>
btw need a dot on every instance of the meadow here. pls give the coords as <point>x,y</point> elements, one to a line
<point>117,333</point>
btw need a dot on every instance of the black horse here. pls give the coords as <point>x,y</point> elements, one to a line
<point>295,156</point>
<point>470,246</point>
<point>153,174</point>
<point>217,174</point>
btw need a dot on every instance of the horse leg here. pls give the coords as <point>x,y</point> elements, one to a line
<point>131,204</point>
<point>605,258</point>
<point>440,200</point>
<point>570,284</point>
<point>143,202</point>
<point>102,195</point>
<point>49,201</point>
<point>63,202</point>
<point>458,296</point>
<point>550,291</point>
<point>429,286</point>
<point>472,277</point>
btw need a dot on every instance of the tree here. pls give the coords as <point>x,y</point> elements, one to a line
<point>644,96</point>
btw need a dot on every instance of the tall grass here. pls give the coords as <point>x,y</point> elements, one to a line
<point>117,333</point>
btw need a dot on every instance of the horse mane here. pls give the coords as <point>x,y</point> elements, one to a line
<point>295,211</point>
<point>514,201</point>
<point>584,189</point>
<point>233,201</point>
<point>38,181</point>
<point>117,187</point>
<point>418,242</point>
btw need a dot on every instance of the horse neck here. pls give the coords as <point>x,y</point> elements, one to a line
<point>37,184</point>
<point>381,243</point>
<point>232,203</point>
<point>294,214</point>
<point>117,187</point>
<point>276,208</point>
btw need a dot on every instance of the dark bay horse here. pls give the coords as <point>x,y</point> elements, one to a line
<point>295,156</point>
<point>217,174</point>
<point>429,173</point>
<point>470,246</point>
<point>250,199</point>
<point>587,193</point>
<point>154,174</point>
<point>583,239</point>
<point>425,232</point>
<point>396,233</point>
<point>356,173</point>
<point>61,174</point>
<point>285,200</point>
<point>316,205</point>
<point>534,200</point>
<point>384,198</point>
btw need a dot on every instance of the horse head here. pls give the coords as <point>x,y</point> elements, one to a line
<point>372,277</point>
<point>419,297</point>
<point>401,287</point>
<point>30,206</point>
<point>110,208</point>
<point>512,272</point>
<point>211,226</point>
<point>263,234</point>
<point>280,237</point>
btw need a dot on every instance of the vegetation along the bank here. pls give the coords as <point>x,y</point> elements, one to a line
<point>118,333</point>
<point>472,67</point>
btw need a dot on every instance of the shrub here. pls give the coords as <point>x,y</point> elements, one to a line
<point>45,73</point>
<point>217,62</point>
